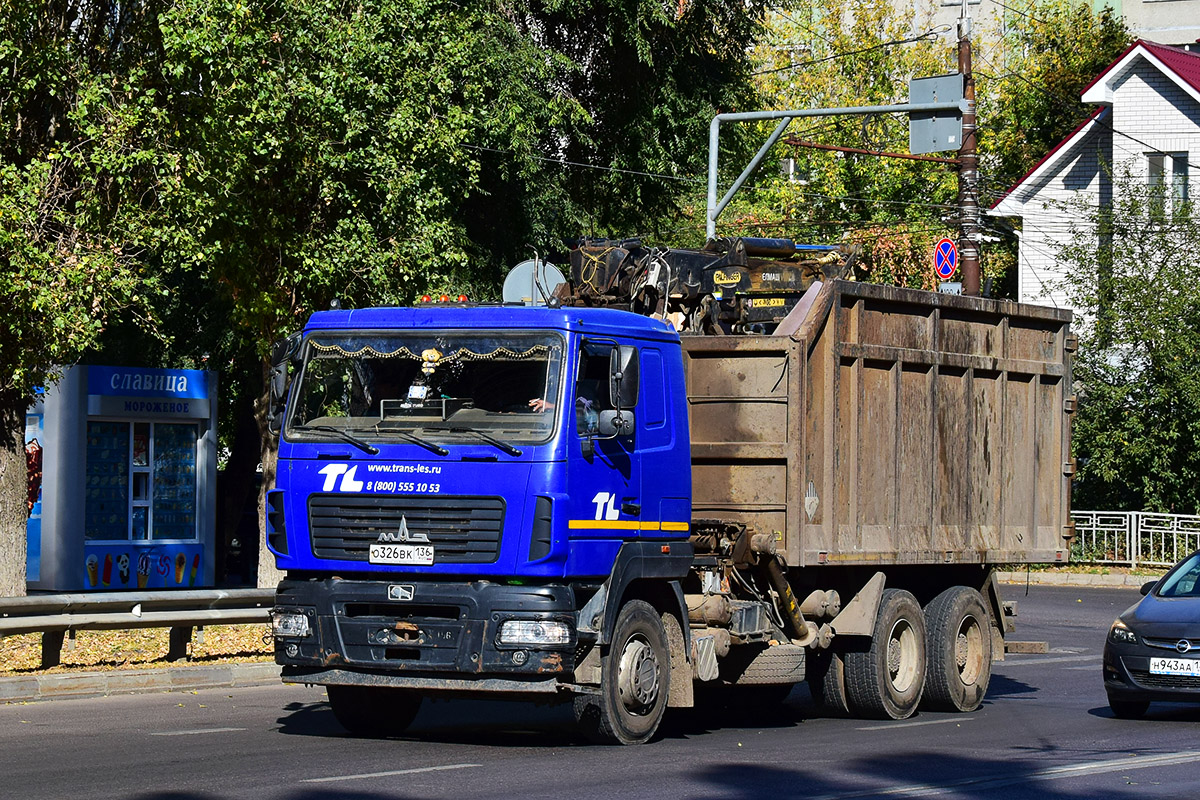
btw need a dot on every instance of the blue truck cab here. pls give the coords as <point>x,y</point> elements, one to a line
<point>463,495</point>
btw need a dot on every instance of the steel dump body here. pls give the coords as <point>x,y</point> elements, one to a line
<point>894,426</point>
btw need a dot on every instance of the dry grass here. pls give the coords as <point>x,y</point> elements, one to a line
<point>143,648</point>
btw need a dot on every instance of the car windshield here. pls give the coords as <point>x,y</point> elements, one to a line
<point>1183,580</point>
<point>447,386</point>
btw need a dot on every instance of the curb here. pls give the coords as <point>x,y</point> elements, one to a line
<point>71,685</point>
<point>1118,580</point>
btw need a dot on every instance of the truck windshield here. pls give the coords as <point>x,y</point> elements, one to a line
<point>443,386</point>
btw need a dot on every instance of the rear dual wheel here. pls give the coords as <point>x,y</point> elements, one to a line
<point>959,652</point>
<point>885,680</point>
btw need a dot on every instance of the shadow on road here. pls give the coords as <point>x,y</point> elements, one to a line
<point>910,775</point>
<point>1003,686</point>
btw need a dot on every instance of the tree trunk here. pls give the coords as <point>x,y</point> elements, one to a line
<point>237,483</point>
<point>268,575</point>
<point>13,493</point>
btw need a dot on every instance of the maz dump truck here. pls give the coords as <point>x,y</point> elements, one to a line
<point>686,474</point>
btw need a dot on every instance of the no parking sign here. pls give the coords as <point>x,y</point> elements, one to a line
<point>945,259</point>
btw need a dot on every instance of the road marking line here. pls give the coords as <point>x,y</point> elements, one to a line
<point>1059,660</point>
<point>1048,774</point>
<point>198,730</point>
<point>388,773</point>
<point>891,726</point>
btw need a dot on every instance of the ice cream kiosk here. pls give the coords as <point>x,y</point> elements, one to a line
<point>129,465</point>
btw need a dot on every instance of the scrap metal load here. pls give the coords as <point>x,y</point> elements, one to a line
<point>741,285</point>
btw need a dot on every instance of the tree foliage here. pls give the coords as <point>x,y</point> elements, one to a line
<point>182,181</point>
<point>1137,428</point>
<point>1037,58</point>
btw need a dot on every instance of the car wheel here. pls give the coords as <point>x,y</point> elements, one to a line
<point>1128,709</point>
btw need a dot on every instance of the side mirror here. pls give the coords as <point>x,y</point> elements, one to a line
<point>1146,587</point>
<point>282,352</point>
<point>616,423</point>
<point>623,377</point>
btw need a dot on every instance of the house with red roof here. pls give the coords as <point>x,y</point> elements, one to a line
<point>1147,124</point>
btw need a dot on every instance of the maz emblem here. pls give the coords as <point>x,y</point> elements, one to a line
<point>402,536</point>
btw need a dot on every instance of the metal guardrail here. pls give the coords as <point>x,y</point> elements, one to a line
<point>56,615</point>
<point>1133,538</point>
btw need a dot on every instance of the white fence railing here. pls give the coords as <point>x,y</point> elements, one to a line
<point>1133,538</point>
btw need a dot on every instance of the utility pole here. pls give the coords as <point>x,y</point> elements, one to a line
<point>968,172</point>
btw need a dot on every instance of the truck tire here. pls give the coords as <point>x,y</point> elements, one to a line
<point>373,711</point>
<point>635,680</point>
<point>781,664</point>
<point>885,680</point>
<point>827,681</point>
<point>958,655</point>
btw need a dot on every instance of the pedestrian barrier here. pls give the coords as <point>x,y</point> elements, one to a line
<point>1133,538</point>
<point>57,615</point>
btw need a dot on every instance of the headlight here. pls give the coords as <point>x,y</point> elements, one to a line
<point>289,625</point>
<point>534,632</point>
<point>1120,633</point>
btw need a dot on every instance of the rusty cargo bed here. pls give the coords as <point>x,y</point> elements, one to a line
<point>895,426</point>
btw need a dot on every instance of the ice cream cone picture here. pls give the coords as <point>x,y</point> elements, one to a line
<point>106,575</point>
<point>123,568</point>
<point>195,568</point>
<point>143,572</point>
<point>180,563</point>
<point>93,569</point>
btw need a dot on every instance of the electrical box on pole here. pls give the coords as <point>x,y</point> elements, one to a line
<point>934,131</point>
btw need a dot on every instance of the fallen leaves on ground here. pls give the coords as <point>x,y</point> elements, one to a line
<point>142,648</point>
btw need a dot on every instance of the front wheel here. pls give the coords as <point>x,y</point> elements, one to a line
<point>885,681</point>
<point>373,711</point>
<point>635,674</point>
<point>1128,709</point>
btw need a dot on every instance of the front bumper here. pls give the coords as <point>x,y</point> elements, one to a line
<point>423,634</point>
<point>1127,676</point>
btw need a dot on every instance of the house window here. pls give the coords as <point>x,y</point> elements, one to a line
<point>1167,179</point>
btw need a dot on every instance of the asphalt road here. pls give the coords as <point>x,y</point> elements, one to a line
<point>1045,732</point>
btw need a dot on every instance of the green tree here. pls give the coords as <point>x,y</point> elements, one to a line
<point>1034,61</point>
<point>79,208</point>
<point>185,181</point>
<point>1137,429</point>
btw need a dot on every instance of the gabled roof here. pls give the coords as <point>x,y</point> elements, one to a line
<point>1179,65</point>
<point>1098,117</point>
<point>1176,63</point>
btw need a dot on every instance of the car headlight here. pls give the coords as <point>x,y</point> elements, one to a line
<point>289,624</point>
<point>532,632</point>
<point>1120,633</point>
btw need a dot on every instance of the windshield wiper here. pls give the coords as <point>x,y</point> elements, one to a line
<point>505,446</point>
<point>411,437</point>
<point>341,434</point>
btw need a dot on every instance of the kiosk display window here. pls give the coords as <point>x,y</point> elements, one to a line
<point>141,481</point>
<point>127,458</point>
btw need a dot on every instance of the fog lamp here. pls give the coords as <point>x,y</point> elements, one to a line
<point>287,625</point>
<point>534,632</point>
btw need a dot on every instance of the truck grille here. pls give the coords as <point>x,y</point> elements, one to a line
<point>462,530</point>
